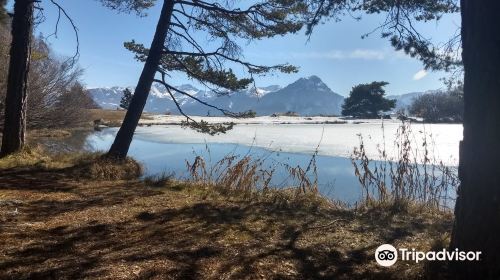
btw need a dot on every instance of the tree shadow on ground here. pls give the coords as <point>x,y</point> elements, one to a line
<point>125,230</point>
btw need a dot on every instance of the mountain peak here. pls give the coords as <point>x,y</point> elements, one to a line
<point>187,87</point>
<point>313,78</point>
<point>309,83</point>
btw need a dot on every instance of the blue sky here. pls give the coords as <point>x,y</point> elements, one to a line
<point>335,52</point>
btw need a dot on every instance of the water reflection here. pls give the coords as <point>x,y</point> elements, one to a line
<point>335,173</point>
<point>77,141</point>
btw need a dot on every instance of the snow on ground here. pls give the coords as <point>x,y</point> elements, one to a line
<point>303,135</point>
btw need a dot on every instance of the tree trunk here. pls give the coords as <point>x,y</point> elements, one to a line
<point>123,138</point>
<point>17,81</point>
<point>477,211</point>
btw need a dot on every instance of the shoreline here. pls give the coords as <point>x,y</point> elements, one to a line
<point>114,118</point>
<point>178,119</point>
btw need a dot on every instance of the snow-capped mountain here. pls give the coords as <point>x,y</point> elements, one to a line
<point>159,100</point>
<point>107,97</point>
<point>306,96</point>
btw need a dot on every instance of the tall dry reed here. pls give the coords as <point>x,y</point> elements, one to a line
<point>411,175</point>
<point>248,173</point>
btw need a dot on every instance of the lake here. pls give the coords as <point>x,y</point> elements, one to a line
<point>165,148</point>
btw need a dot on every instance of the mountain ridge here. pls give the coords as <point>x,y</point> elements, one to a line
<point>307,96</point>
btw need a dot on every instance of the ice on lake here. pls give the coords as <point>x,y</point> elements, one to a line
<point>331,139</point>
<point>165,148</point>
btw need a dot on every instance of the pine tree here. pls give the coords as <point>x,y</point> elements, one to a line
<point>13,137</point>
<point>126,98</point>
<point>175,48</point>
<point>367,101</point>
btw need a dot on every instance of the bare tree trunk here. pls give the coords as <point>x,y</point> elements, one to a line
<point>477,212</point>
<point>17,83</point>
<point>120,146</point>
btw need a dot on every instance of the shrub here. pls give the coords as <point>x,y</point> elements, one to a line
<point>99,167</point>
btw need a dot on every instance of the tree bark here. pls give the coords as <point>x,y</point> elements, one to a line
<point>17,81</point>
<point>477,211</point>
<point>123,138</point>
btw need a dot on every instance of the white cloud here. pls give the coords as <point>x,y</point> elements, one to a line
<point>419,75</point>
<point>334,54</point>
<point>365,54</point>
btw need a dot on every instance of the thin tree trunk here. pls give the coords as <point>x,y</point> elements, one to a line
<point>17,81</point>
<point>477,211</point>
<point>123,138</point>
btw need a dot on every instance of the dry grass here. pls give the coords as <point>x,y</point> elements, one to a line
<point>49,133</point>
<point>107,115</point>
<point>97,167</point>
<point>112,117</point>
<point>411,176</point>
<point>79,165</point>
<point>247,174</point>
<point>29,156</point>
<point>53,226</point>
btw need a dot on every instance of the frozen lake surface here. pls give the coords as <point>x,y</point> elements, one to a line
<point>165,148</point>
<point>333,139</point>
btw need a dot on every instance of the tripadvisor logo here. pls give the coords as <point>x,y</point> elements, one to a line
<point>387,255</point>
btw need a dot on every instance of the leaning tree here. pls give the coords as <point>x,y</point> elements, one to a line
<point>176,47</point>
<point>475,52</point>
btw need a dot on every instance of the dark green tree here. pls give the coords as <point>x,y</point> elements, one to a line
<point>175,48</point>
<point>126,98</point>
<point>367,101</point>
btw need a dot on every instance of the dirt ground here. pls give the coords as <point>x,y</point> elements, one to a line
<point>53,226</point>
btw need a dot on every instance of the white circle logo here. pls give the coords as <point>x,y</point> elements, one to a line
<point>386,255</point>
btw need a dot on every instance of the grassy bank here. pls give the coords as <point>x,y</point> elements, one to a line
<point>112,118</point>
<point>63,217</point>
